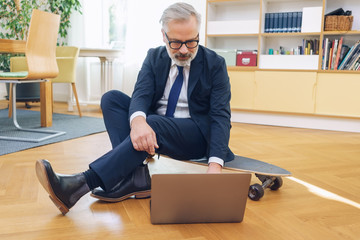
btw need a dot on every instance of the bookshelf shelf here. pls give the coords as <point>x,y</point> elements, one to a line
<point>338,71</point>
<point>234,35</point>
<point>290,34</point>
<point>354,32</point>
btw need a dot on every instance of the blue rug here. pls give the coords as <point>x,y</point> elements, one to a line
<point>73,125</point>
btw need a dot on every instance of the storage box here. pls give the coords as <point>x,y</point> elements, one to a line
<point>228,54</point>
<point>303,62</point>
<point>338,23</point>
<point>246,58</point>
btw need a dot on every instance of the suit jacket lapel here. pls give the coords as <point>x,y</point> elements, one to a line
<point>162,72</point>
<point>196,68</point>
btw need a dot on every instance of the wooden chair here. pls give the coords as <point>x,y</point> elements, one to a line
<point>66,57</point>
<point>40,52</point>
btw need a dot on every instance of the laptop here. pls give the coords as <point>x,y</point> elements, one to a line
<point>198,198</point>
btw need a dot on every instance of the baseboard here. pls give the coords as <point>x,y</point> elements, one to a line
<point>298,121</point>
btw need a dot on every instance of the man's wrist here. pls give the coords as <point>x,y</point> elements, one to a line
<point>136,114</point>
<point>214,168</point>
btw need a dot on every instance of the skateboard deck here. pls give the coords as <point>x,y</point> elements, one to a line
<point>245,164</point>
<point>269,175</point>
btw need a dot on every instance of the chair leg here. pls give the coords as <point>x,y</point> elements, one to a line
<point>51,133</point>
<point>52,98</point>
<point>76,98</point>
<point>10,101</point>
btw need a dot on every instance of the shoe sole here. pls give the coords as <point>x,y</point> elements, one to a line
<point>44,180</point>
<point>138,195</point>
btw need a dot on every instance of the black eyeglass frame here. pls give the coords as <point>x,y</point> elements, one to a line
<point>182,43</point>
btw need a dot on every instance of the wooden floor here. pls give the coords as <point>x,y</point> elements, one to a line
<point>320,200</point>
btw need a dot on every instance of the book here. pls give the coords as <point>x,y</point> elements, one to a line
<point>338,53</point>
<point>344,50</point>
<point>289,23</point>
<point>334,51</point>
<point>325,53</point>
<point>285,22</point>
<point>352,58</point>
<point>348,56</point>
<point>328,64</point>
<point>267,22</point>
<point>316,46</point>
<point>281,28</point>
<point>294,21</point>
<point>356,59</point>
<point>276,22</point>
<point>271,25</point>
<point>301,50</point>
<point>299,20</point>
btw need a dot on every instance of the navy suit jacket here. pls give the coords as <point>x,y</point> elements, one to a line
<point>208,95</point>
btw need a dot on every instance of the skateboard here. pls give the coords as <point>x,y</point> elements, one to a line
<point>269,175</point>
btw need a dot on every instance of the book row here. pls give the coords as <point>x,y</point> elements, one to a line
<point>308,47</point>
<point>282,22</point>
<point>339,56</point>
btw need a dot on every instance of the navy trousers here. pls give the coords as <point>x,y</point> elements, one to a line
<point>179,138</point>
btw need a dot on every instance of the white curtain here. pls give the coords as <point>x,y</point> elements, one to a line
<point>88,30</point>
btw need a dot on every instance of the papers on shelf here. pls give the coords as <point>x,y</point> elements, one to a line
<point>311,19</point>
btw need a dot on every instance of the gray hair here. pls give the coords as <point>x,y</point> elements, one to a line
<point>179,11</point>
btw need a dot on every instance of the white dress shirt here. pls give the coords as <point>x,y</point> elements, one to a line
<point>182,107</point>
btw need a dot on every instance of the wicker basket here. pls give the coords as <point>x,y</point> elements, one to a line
<point>338,23</point>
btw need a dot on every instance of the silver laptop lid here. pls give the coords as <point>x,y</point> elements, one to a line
<point>198,198</point>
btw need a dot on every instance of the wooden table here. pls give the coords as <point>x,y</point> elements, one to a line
<point>17,46</point>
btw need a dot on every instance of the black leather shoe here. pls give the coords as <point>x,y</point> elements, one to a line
<point>137,184</point>
<point>64,190</point>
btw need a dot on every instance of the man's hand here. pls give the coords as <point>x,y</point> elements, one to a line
<point>214,168</point>
<point>143,136</point>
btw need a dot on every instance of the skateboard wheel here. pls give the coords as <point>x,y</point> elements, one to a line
<point>256,192</point>
<point>278,182</point>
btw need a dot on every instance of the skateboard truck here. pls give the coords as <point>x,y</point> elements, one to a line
<point>256,191</point>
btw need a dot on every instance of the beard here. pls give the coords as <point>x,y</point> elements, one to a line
<point>175,57</point>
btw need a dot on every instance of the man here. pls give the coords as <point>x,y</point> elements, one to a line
<point>179,108</point>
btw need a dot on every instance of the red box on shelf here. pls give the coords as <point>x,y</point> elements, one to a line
<point>246,58</point>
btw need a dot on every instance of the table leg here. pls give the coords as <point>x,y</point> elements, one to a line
<point>110,74</point>
<point>46,104</point>
<point>103,74</point>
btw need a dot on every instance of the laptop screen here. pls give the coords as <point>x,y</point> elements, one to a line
<point>198,198</point>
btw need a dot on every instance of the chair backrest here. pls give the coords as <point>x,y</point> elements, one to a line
<point>41,45</point>
<point>66,57</point>
<point>67,51</point>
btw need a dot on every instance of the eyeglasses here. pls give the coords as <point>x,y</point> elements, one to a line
<point>176,45</point>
